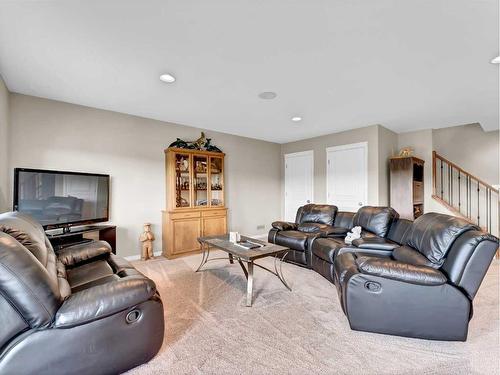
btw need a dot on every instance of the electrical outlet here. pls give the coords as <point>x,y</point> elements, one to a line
<point>261,226</point>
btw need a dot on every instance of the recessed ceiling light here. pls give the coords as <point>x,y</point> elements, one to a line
<point>296,118</point>
<point>167,78</point>
<point>496,60</point>
<point>267,95</point>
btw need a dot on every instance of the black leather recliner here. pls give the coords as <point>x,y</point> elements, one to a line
<point>425,288</point>
<point>312,221</point>
<point>82,311</point>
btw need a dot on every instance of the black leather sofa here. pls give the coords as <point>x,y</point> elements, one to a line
<point>80,311</point>
<point>415,279</point>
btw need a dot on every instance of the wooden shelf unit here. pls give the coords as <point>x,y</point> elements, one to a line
<point>195,200</point>
<point>407,186</point>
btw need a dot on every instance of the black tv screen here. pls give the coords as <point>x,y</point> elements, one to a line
<point>58,199</point>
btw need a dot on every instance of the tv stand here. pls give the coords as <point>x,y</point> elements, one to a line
<point>68,236</point>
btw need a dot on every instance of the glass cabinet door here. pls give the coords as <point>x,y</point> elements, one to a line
<point>216,182</point>
<point>200,180</point>
<point>182,180</point>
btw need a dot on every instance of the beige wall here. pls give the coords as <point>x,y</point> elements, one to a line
<point>368,134</point>
<point>56,135</point>
<point>4,147</point>
<point>388,146</point>
<point>473,149</point>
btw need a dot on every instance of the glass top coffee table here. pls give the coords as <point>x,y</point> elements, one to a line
<point>248,256</point>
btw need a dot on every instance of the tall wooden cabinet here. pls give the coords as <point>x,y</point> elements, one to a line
<point>407,186</point>
<point>195,199</point>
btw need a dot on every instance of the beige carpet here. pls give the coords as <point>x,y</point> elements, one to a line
<point>210,331</point>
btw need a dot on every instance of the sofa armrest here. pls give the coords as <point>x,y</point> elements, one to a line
<point>72,255</point>
<point>391,269</point>
<point>104,300</point>
<point>375,243</point>
<point>284,225</point>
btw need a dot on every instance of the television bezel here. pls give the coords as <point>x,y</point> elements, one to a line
<point>68,224</point>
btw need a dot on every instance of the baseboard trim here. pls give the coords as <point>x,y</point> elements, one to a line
<point>262,237</point>
<point>138,257</point>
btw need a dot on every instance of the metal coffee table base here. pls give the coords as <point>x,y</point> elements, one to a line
<point>248,270</point>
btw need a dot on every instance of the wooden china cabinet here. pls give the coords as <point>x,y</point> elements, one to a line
<point>195,199</point>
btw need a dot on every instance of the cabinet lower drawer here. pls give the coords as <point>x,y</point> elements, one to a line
<point>184,215</point>
<point>213,213</point>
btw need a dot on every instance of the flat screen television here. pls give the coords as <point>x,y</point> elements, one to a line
<point>59,199</point>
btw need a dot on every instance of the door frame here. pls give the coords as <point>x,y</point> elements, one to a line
<point>347,147</point>
<point>292,155</point>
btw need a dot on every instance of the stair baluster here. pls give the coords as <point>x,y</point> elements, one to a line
<point>475,200</point>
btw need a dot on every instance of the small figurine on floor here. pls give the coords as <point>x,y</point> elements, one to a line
<point>147,239</point>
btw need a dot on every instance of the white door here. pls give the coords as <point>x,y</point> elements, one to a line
<point>347,176</point>
<point>299,174</point>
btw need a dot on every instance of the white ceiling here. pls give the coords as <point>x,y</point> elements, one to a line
<point>340,64</point>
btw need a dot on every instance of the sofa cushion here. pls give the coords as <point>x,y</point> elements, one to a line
<point>26,284</point>
<point>344,219</point>
<point>399,230</point>
<point>96,282</point>
<point>432,234</point>
<point>28,233</point>
<point>377,220</point>
<point>327,248</point>
<point>313,227</point>
<point>88,272</point>
<point>316,213</point>
<point>118,263</point>
<point>292,239</point>
<point>406,254</point>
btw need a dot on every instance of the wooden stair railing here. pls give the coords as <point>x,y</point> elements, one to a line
<point>464,194</point>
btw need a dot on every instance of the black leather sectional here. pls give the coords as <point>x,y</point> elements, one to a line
<point>414,279</point>
<point>83,310</point>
